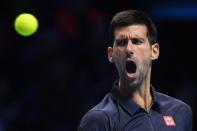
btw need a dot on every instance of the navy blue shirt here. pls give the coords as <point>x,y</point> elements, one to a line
<point>117,112</point>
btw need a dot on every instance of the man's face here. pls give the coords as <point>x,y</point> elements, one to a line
<point>132,54</point>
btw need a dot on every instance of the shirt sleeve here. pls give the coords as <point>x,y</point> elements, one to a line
<point>94,121</point>
<point>190,119</point>
<point>185,115</point>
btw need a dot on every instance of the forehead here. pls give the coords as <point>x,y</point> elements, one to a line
<point>131,31</point>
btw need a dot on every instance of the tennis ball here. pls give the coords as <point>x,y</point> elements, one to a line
<point>26,24</point>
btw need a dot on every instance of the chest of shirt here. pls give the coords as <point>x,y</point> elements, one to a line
<point>149,122</point>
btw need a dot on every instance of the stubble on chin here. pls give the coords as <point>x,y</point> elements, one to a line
<point>132,85</point>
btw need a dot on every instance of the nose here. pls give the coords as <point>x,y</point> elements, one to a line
<point>129,47</point>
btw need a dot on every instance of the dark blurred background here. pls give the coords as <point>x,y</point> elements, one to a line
<point>50,79</point>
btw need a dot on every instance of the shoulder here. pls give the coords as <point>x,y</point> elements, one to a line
<point>181,112</point>
<point>94,120</point>
<point>107,106</point>
<point>170,103</point>
<point>99,117</point>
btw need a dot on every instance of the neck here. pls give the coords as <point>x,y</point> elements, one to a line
<point>142,95</point>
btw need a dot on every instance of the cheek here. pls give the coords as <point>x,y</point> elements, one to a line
<point>119,50</point>
<point>144,59</point>
<point>118,56</point>
<point>144,54</point>
<point>144,66</point>
<point>118,53</point>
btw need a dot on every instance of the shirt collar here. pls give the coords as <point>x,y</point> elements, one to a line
<point>129,105</point>
<point>156,105</point>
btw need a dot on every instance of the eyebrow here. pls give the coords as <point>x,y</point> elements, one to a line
<point>126,37</point>
<point>141,39</point>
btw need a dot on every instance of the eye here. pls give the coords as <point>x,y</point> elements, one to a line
<point>121,42</point>
<point>137,41</point>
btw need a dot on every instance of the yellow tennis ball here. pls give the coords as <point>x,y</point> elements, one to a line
<point>26,24</point>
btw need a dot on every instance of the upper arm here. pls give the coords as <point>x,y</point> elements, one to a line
<point>94,121</point>
<point>189,111</point>
<point>185,117</point>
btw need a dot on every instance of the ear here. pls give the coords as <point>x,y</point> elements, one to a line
<point>155,51</point>
<point>110,54</point>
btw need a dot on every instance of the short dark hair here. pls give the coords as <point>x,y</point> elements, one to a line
<point>132,17</point>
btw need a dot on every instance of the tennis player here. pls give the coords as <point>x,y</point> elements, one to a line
<point>133,103</point>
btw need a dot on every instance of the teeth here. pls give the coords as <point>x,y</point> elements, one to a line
<point>131,67</point>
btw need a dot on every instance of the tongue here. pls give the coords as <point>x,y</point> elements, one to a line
<point>131,67</point>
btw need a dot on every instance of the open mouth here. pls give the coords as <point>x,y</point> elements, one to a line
<point>131,67</point>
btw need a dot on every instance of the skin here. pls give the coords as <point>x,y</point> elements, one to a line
<point>131,43</point>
